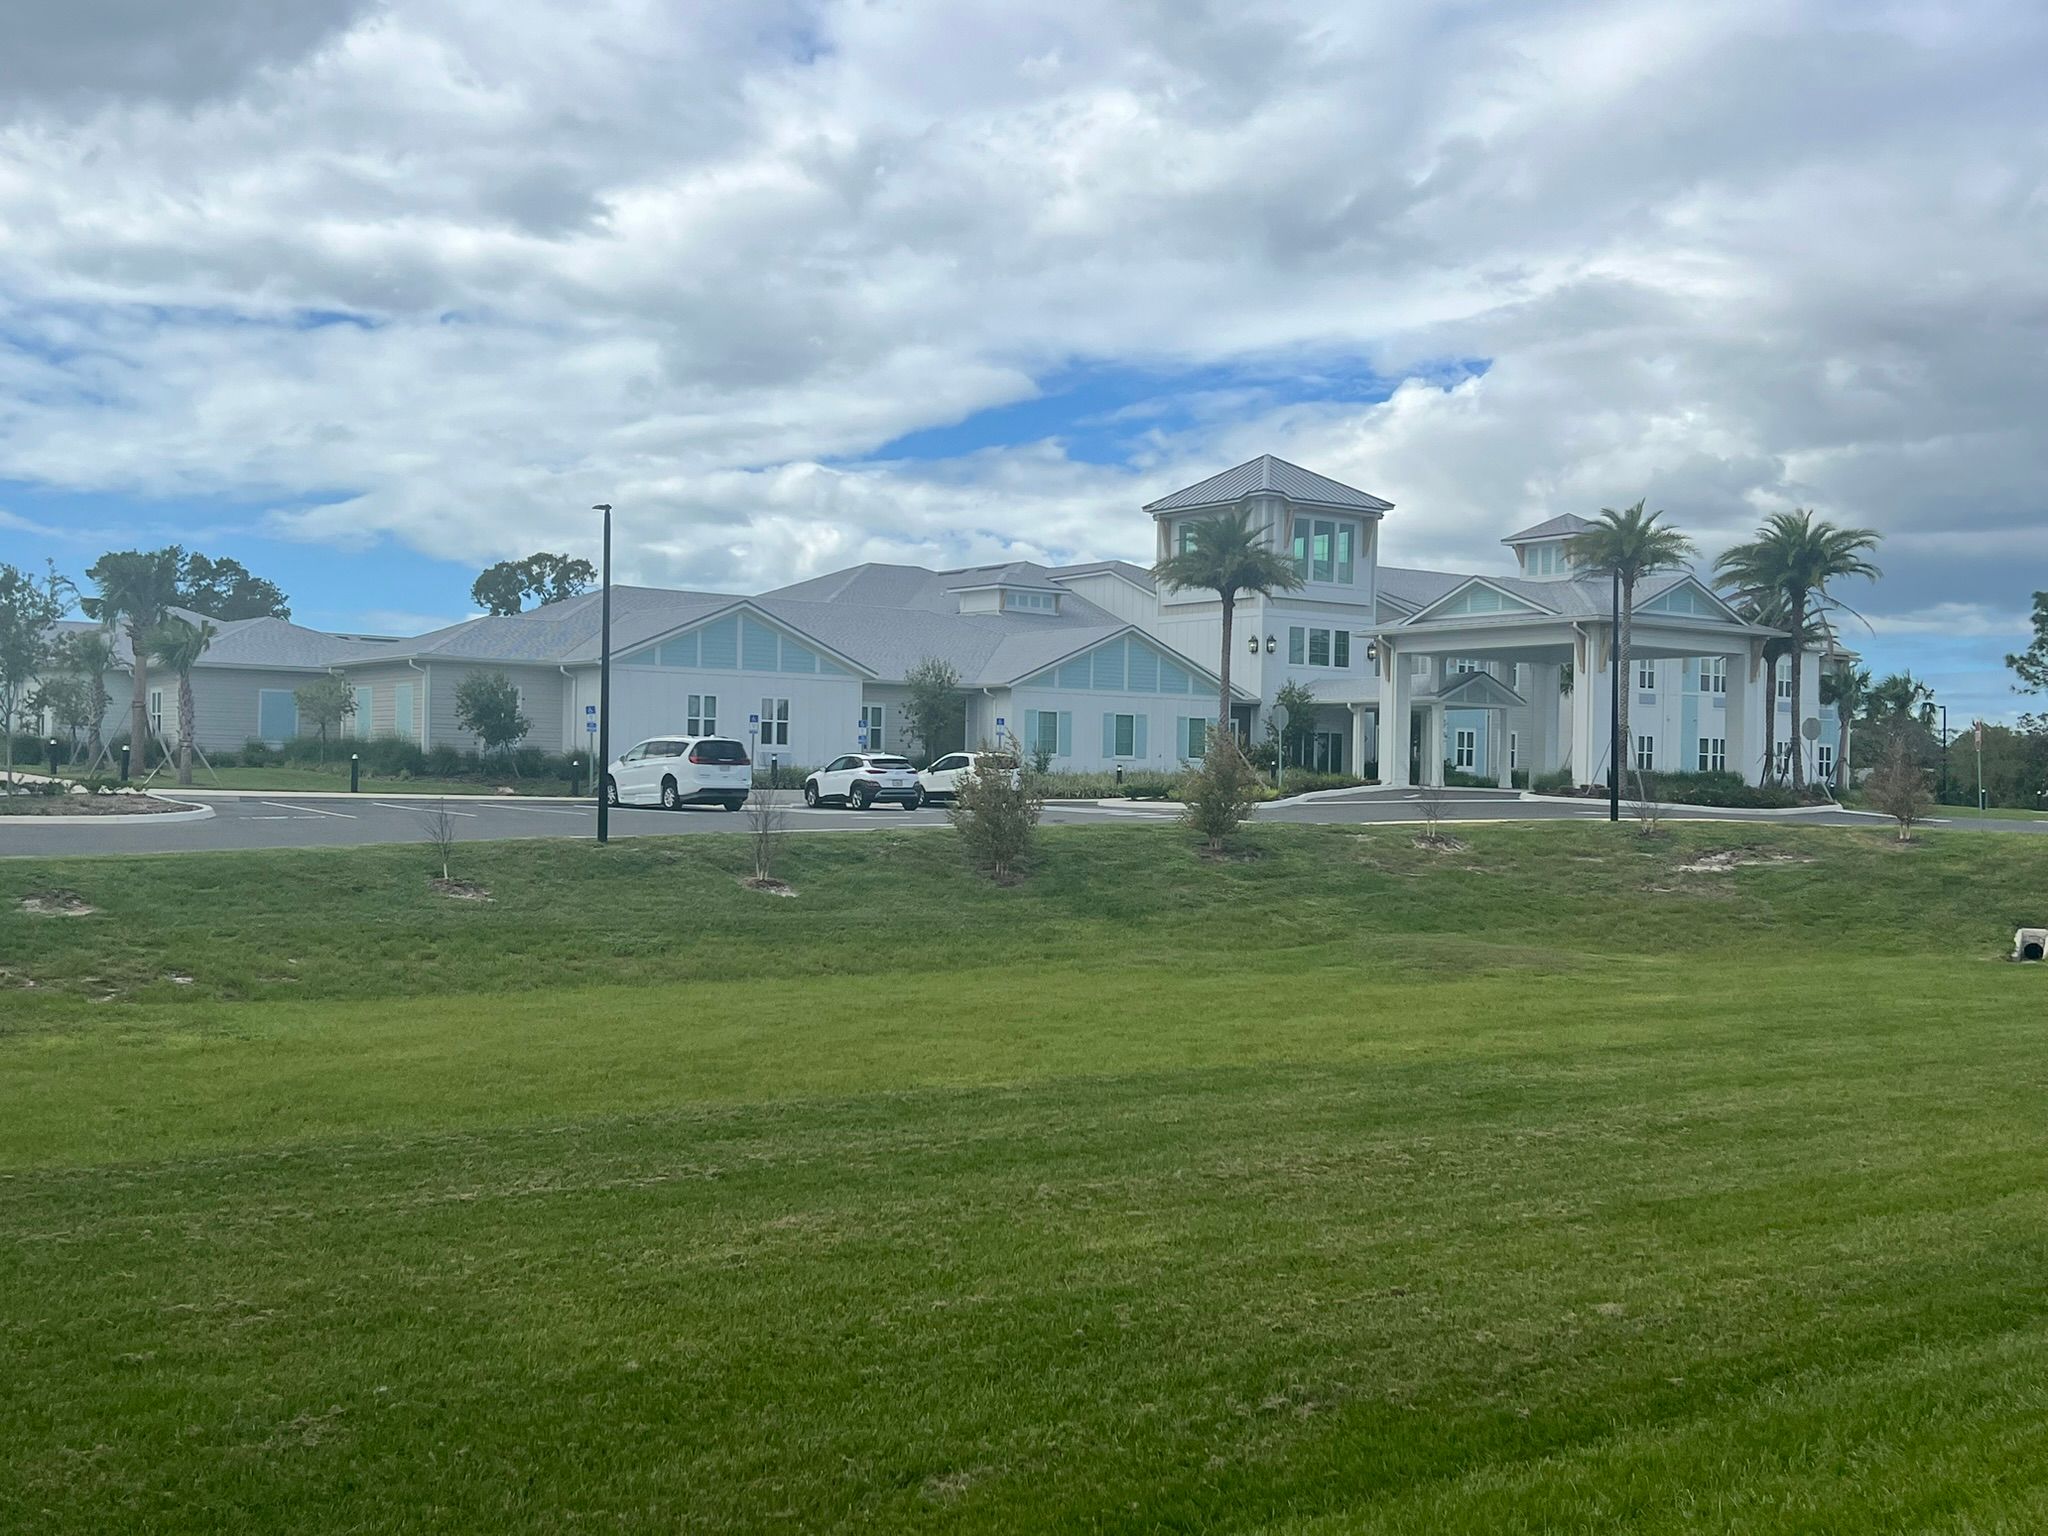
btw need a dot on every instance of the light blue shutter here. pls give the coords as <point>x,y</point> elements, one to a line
<point>1109,735</point>
<point>1031,730</point>
<point>1138,742</point>
<point>1066,737</point>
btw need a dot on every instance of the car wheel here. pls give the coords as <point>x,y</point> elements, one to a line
<point>857,798</point>
<point>670,800</point>
<point>611,790</point>
<point>916,800</point>
<point>734,805</point>
<point>811,794</point>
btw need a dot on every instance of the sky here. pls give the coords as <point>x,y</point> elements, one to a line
<point>369,295</point>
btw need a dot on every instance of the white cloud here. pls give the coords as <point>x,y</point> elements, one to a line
<point>701,261</point>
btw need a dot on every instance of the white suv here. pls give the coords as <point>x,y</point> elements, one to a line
<point>675,771</point>
<point>941,781</point>
<point>863,779</point>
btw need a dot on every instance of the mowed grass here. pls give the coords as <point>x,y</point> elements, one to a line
<point>1541,1185</point>
<point>333,779</point>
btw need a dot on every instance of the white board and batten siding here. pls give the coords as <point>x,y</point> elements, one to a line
<point>743,663</point>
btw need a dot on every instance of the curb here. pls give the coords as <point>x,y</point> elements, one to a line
<point>155,818</point>
<point>380,794</point>
<point>1663,806</point>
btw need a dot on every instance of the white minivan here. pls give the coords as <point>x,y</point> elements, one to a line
<point>675,771</point>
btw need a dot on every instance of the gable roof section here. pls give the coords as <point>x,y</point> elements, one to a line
<point>1266,473</point>
<point>1482,597</point>
<point>1137,575</point>
<point>1563,526</point>
<point>1688,597</point>
<point>1040,669</point>
<point>268,644</point>
<point>1480,690</point>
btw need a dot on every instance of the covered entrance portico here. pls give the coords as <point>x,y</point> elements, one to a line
<point>1546,682</point>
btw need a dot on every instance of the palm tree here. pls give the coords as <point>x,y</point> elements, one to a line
<point>1794,557</point>
<point>1900,696</point>
<point>1228,554</point>
<point>1770,613</point>
<point>1846,686</point>
<point>1632,544</point>
<point>91,657</point>
<point>137,588</point>
<point>178,644</point>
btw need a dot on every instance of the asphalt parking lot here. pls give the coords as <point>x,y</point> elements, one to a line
<point>246,820</point>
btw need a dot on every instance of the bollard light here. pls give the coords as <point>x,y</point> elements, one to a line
<point>355,773</point>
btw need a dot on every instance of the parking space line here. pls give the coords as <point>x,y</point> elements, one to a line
<point>314,809</point>
<point>387,805</point>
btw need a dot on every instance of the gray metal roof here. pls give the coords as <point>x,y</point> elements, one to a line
<point>1563,525</point>
<point>277,644</point>
<point>1266,473</point>
<point>1136,575</point>
<point>1417,588</point>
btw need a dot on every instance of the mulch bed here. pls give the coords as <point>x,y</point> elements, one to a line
<point>86,805</point>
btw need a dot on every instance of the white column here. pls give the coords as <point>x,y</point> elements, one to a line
<point>1580,750</point>
<point>1504,773</point>
<point>1742,722</point>
<point>1433,760</point>
<point>1395,726</point>
<point>1360,737</point>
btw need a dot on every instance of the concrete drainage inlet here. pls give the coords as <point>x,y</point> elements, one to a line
<point>2030,944</point>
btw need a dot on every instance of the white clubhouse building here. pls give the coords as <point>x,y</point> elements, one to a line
<point>1417,673</point>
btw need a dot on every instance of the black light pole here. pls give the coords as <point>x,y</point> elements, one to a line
<point>604,685</point>
<point>1614,707</point>
<point>1944,752</point>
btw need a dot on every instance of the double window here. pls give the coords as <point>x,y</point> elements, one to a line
<point>1646,753</point>
<point>156,711</point>
<point>775,722</point>
<point>702,716</point>
<point>1781,670</point>
<point>1713,674</point>
<point>1464,666</point>
<point>1325,549</point>
<point>1031,602</point>
<point>1713,754</point>
<point>871,722</point>
<point>1465,751</point>
<point>1197,742</point>
<point>1646,676</point>
<point>1307,647</point>
<point>1824,761</point>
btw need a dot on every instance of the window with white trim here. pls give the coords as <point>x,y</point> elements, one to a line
<point>1465,748</point>
<point>871,717</point>
<point>1514,750</point>
<point>1123,735</point>
<point>156,711</point>
<point>1197,742</point>
<point>1781,758</point>
<point>1543,559</point>
<point>1713,674</point>
<point>1325,549</point>
<point>1310,647</point>
<point>1032,602</point>
<point>1824,761</point>
<point>1646,753</point>
<point>1781,670</point>
<point>1646,676</point>
<point>1713,756</point>
<point>775,722</point>
<point>701,718</point>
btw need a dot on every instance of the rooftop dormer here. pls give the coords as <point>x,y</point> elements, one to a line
<point>1540,551</point>
<point>1028,599</point>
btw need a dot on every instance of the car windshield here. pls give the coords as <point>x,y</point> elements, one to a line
<point>730,753</point>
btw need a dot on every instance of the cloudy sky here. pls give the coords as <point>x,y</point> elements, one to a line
<point>370,294</point>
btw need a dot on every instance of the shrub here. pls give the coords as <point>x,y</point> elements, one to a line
<point>446,762</point>
<point>1301,781</point>
<point>1557,783</point>
<point>391,757</point>
<point>258,754</point>
<point>1220,793</point>
<point>996,810</point>
<point>1898,784</point>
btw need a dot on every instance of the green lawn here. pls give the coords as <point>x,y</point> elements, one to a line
<point>335,777</point>
<point>1536,1186</point>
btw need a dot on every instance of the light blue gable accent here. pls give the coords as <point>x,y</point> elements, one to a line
<point>721,642</point>
<point>679,651</point>
<point>830,668</point>
<point>1683,598</point>
<point>1143,662</point>
<point>1127,664</point>
<point>797,658</point>
<point>1109,667</point>
<point>1481,599</point>
<point>277,714</point>
<point>760,647</point>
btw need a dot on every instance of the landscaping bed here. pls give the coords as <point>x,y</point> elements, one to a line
<point>85,805</point>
